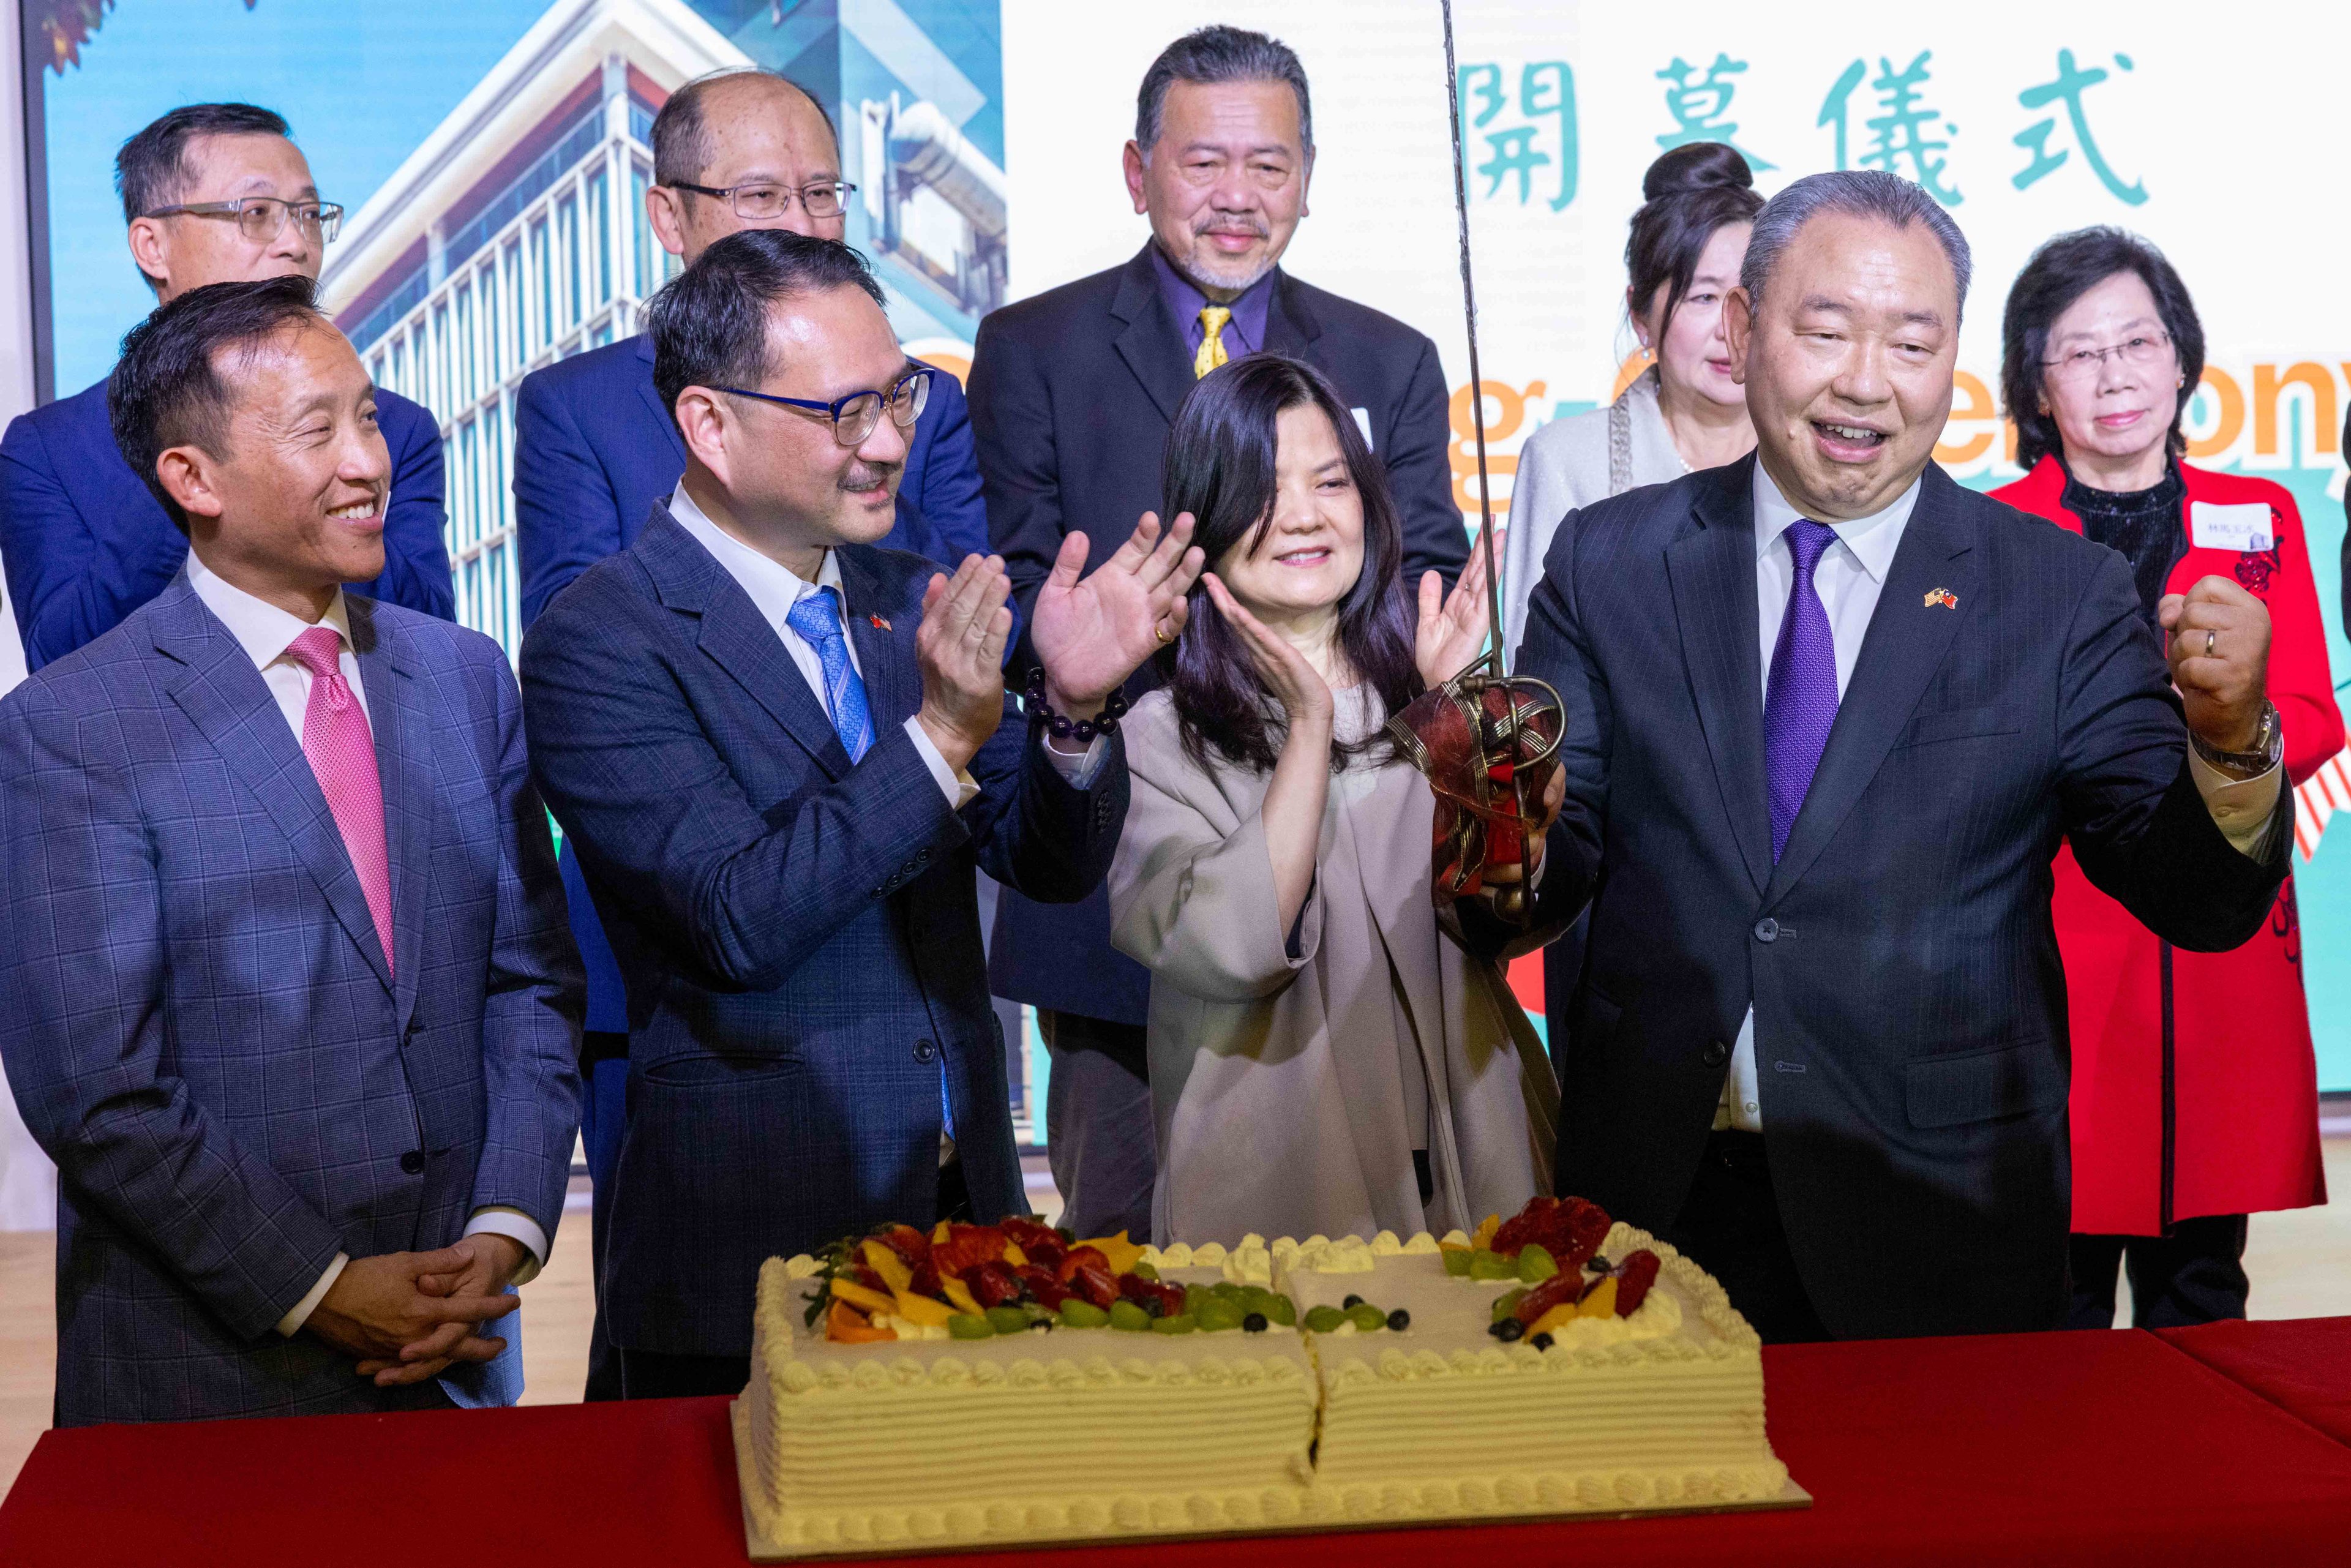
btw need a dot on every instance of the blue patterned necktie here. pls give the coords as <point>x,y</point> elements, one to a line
<point>817,617</point>
<point>1801,703</point>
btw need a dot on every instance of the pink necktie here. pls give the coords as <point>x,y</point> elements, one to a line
<point>335,738</point>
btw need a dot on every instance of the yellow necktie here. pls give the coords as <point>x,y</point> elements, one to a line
<point>1212,340</point>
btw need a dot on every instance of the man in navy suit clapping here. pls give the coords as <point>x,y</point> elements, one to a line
<point>213,193</point>
<point>780,751</point>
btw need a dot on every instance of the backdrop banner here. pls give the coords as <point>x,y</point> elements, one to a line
<point>493,156</point>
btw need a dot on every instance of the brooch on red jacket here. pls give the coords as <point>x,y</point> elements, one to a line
<point>1942,596</point>
<point>879,625</point>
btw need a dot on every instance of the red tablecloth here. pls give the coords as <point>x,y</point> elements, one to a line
<point>2303,1365</point>
<point>2075,1448</point>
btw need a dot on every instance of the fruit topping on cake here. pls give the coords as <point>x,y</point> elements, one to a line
<point>983,1281</point>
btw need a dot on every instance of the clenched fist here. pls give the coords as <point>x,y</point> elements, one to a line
<point>2220,653</point>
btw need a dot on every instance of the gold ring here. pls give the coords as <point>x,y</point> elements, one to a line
<point>2211,637</point>
<point>1159,632</point>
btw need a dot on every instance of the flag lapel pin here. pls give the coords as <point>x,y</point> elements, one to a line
<point>879,625</point>
<point>1942,596</point>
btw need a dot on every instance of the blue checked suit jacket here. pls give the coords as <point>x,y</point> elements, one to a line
<point>799,937</point>
<point>197,1018</point>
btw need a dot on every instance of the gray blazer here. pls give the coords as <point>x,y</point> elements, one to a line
<point>1293,1080</point>
<point>1571,463</point>
<point>200,1023</point>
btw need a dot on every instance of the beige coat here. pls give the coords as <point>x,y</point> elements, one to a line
<point>1291,1091</point>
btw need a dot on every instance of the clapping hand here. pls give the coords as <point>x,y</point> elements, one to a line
<point>960,648</point>
<point>1453,626</point>
<point>1091,634</point>
<point>2220,656</point>
<point>1295,683</point>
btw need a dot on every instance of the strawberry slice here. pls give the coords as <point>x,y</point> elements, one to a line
<point>1084,1258</point>
<point>1143,1293</point>
<point>1094,1281</point>
<point>967,1247</point>
<point>926,1280</point>
<point>906,1241</point>
<point>992,1285</point>
<point>1634,1278</point>
<point>1530,1224</point>
<point>1047,1290</point>
<point>1560,1289</point>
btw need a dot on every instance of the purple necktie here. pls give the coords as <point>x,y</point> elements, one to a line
<point>1800,703</point>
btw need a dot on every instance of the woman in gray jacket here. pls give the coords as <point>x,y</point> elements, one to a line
<point>1684,412</point>
<point>1324,1059</point>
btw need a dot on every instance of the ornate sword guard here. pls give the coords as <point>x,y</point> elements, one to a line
<point>1488,745</point>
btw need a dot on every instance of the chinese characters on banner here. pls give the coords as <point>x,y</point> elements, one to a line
<point>1518,124</point>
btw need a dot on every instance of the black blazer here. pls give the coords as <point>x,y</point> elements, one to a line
<point>1909,1005</point>
<point>1072,392</point>
<point>799,936</point>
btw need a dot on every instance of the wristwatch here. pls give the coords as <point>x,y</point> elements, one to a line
<point>2269,747</point>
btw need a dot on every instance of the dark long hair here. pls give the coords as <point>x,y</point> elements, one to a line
<point>1219,467</point>
<point>2062,271</point>
<point>1687,194</point>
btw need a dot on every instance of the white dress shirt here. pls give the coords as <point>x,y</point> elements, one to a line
<point>775,589</point>
<point>265,633</point>
<point>1849,577</point>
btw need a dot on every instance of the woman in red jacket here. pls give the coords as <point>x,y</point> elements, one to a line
<point>2195,1097</point>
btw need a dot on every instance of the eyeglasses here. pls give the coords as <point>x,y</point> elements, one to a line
<point>853,417</point>
<point>824,199</point>
<point>2147,349</point>
<point>261,219</point>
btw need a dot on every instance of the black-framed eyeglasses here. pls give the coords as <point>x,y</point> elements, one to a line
<point>853,417</point>
<point>2143,348</point>
<point>261,219</point>
<point>765,199</point>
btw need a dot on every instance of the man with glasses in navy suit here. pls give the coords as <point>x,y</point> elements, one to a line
<point>213,193</point>
<point>595,448</point>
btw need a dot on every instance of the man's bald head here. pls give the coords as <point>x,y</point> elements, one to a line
<point>763,142</point>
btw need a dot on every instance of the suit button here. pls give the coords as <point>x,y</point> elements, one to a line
<point>1767,930</point>
<point>413,1161</point>
<point>1716,1053</point>
<point>925,1051</point>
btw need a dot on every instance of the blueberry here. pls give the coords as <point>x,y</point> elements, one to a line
<point>1601,1266</point>
<point>1541,1341</point>
<point>1253,1323</point>
<point>1510,1329</point>
<point>1399,1321</point>
<point>1350,1304</point>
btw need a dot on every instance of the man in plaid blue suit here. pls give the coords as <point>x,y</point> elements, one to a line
<point>286,988</point>
<point>779,751</point>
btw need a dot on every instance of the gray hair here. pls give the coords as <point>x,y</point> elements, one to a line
<point>1857,192</point>
<point>683,145</point>
<point>1219,54</point>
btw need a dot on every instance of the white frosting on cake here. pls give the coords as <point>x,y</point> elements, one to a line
<point>1079,1433</point>
<point>1441,1420</point>
<point>1038,1437</point>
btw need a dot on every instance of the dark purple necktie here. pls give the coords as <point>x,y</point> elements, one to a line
<point>1800,703</point>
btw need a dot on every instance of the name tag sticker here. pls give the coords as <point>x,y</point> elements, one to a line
<point>1364,424</point>
<point>2242,526</point>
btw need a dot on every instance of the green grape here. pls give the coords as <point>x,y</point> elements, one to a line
<point>1130,1317</point>
<point>963,1325</point>
<point>1367,1318</point>
<point>1077,1313</point>
<point>1536,1264</point>
<point>1182,1322</point>
<point>1008,1320</point>
<point>1324,1320</point>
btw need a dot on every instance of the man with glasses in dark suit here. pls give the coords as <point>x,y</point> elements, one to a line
<point>213,193</point>
<point>595,448</point>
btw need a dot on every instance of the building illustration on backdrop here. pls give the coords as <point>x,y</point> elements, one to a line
<point>514,234</point>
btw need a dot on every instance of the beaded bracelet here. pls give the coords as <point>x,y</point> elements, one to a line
<point>1061,726</point>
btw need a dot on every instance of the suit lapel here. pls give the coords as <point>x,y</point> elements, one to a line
<point>1290,326</point>
<point>660,415</point>
<point>230,704</point>
<point>736,637</point>
<point>883,653</point>
<point>403,750</point>
<point>1906,643</point>
<point>1152,343</point>
<point>1712,570</point>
